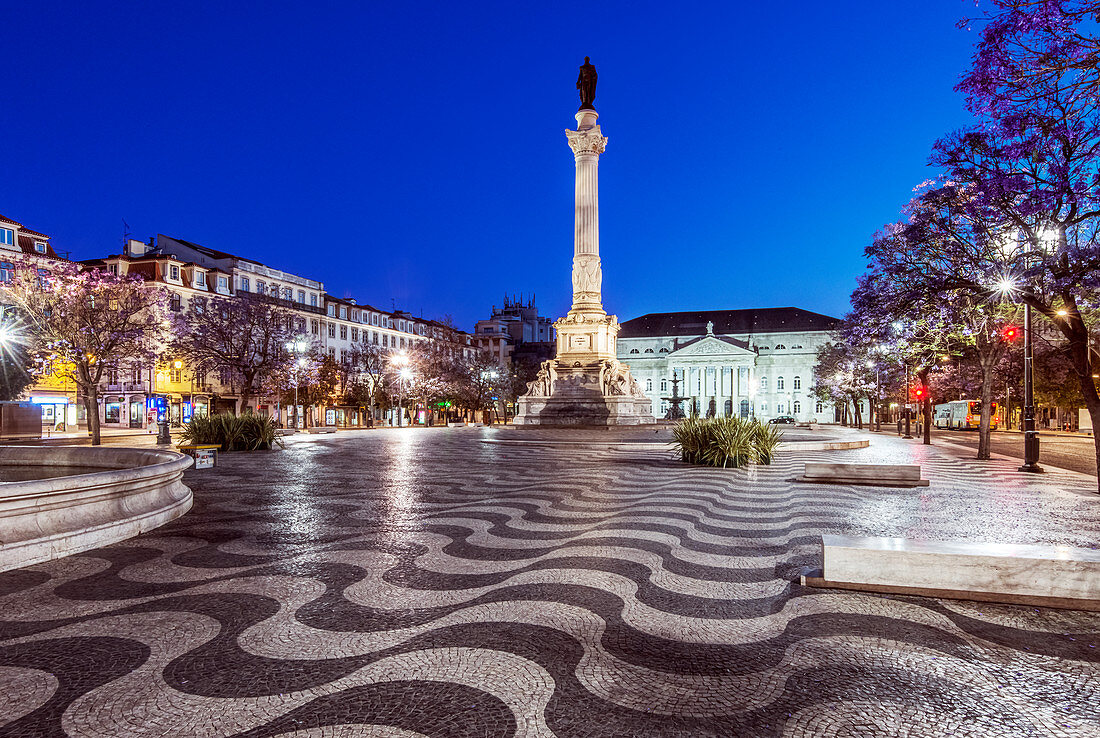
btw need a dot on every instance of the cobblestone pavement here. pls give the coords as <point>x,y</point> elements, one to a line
<point>422,582</point>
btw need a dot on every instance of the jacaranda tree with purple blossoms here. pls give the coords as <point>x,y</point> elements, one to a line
<point>1025,181</point>
<point>80,321</point>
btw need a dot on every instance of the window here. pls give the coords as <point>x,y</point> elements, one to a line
<point>112,375</point>
<point>779,347</point>
<point>649,351</point>
<point>817,408</point>
<point>663,351</point>
<point>779,383</point>
<point>798,382</point>
<point>288,294</point>
<point>343,313</point>
<point>343,333</point>
<point>244,284</point>
<point>779,408</point>
<point>633,351</point>
<point>355,315</point>
<point>176,303</point>
<point>175,376</point>
<point>313,299</point>
<point>200,279</point>
<point>332,310</point>
<point>402,342</point>
<point>355,334</point>
<point>40,247</point>
<point>664,385</point>
<point>135,373</point>
<point>797,407</point>
<point>374,319</point>
<point>174,272</point>
<point>302,296</point>
<point>763,406</point>
<point>332,351</point>
<point>314,327</point>
<point>332,330</point>
<point>385,340</point>
<point>261,287</point>
<point>7,236</point>
<point>796,347</point>
<point>274,290</point>
<point>223,284</point>
<point>301,325</point>
<point>649,385</point>
<point>763,383</point>
<point>374,336</point>
<point>112,412</point>
<point>7,271</point>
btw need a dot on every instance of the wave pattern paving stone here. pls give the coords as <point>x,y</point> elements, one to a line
<point>414,583</point>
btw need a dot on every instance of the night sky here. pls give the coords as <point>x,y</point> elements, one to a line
<point>413,153</point>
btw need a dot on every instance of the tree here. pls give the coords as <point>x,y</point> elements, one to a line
<point>367,373</point>
<point>841,375</point>
<point>243,339</point>
<point>16,362</point>
<point>81,321</point>
<point>480,382</point>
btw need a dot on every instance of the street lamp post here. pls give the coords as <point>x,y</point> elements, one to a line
<point>1031,436</point>
<point>907,433</point>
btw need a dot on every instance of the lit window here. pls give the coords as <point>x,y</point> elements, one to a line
<point>175,376</point>
<point>798,383</point>
<point>7,236</point>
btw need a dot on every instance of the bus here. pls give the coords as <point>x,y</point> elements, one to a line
<point>962,415</point>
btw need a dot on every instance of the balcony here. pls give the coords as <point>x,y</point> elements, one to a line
<point>114,387</point>
<point>134,386</point>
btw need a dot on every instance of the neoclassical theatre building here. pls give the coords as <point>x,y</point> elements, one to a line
<point>752,363</point>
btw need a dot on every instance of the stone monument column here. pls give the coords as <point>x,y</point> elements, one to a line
<point>587,143</point>
<point>585,384</point>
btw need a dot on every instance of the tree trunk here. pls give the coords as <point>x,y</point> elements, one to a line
<point>91,407</point>
<point>926,409</point>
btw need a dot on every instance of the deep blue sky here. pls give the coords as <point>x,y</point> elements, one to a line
<point>414,151</point>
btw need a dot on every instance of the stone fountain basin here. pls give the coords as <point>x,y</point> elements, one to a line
<point>122,492</point>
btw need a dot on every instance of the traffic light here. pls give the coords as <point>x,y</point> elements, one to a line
<point>1010,333</point>
<point>921,393</point>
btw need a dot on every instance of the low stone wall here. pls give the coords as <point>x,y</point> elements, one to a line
<point>42,519</point>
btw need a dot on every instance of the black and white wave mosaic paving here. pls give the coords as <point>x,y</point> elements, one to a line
<point>423,583</point>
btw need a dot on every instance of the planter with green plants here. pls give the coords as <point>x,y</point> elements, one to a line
<point>247,432</point>
<point>725,442</point>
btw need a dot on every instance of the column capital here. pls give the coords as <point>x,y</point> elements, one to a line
<point>589,141</point>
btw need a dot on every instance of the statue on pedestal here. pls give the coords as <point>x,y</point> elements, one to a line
<point>586,83</point>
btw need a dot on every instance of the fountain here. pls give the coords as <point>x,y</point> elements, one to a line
<point>56,501</point>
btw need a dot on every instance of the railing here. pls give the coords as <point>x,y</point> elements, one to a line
<point>114,387</point>
<point>135,386</point>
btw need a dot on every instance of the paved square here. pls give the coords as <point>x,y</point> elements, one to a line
<point>424,582</point>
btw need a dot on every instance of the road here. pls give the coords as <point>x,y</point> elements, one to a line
<point>1068,452</point>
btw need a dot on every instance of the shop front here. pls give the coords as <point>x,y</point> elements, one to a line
<point>59,413</point>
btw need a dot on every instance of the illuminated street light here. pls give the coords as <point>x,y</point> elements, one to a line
<point>1006,285</point>
<point>1062,313</point>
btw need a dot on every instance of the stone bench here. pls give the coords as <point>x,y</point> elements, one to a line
<point>877,475</point>
<point>322,429</point>
<point>1054,576</point>
<point>285,431</point>
<point>459,424</point>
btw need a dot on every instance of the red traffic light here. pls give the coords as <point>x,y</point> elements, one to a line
<point>919,392</point>
<point>1010,332</point>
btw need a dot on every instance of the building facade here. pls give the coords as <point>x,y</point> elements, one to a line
<point>516,323</point>
<point>755,363</point>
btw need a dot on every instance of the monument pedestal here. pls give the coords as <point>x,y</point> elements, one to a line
<point>585,385</point>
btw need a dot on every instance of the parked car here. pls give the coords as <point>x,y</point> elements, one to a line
<point>783,420</point>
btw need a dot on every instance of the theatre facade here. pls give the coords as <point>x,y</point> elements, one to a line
<point>750,363</point>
